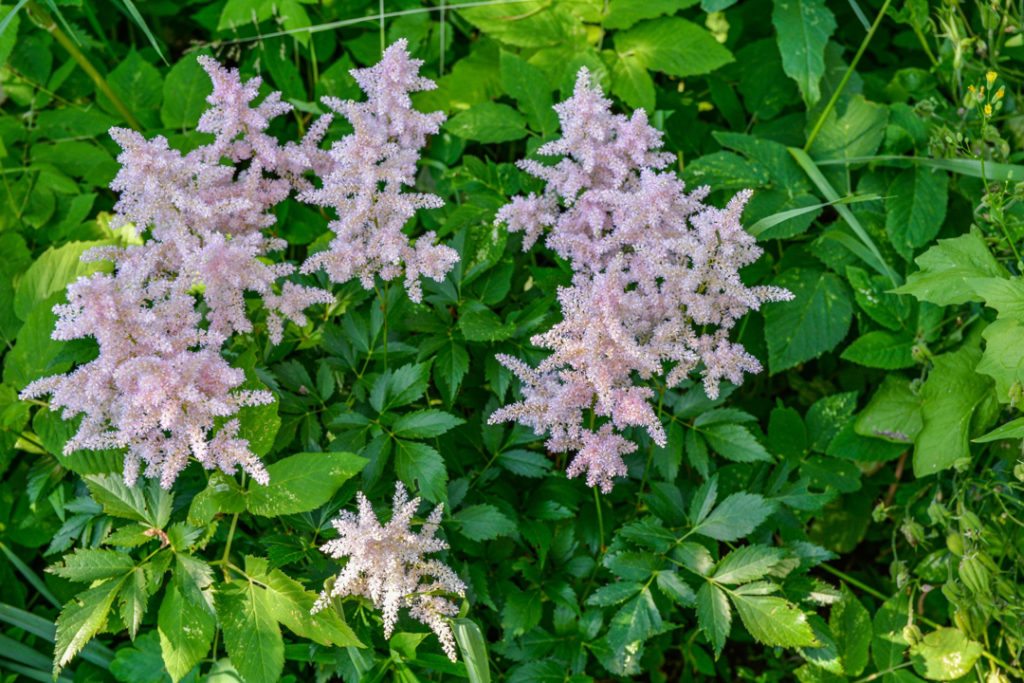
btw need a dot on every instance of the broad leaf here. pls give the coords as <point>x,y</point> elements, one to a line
<point>673,46</point>
<point>814,322</point>
<point>802,30</point>
<point>251,634</point>
<point>773,621</point>
<point>735,517</point>
<point>714,615</point>
<point>302,482</point>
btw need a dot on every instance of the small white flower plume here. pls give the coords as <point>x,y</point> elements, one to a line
<point>386,565</point>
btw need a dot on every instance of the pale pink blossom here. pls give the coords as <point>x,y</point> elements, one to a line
<point>655,293</point>
<point>385,564</point>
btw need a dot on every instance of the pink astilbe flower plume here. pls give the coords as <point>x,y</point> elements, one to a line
<point>160,386</point>
<point>656,285</point>
<point>386,565</point>
<point>364,177</point>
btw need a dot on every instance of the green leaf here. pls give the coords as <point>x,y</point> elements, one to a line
<point>302,482</point>
<point>526,83</point>
<point>725,171</point>
<point>93,564</point>
<point>474,650</point>
<point>525,463</point>
<point>635,622</point>
<point>1011,430</point>
<point>945,654</point>
<point>675,588</point>
<point>949,396</point>
<point>534,23</point>
<point>871,293</point>
<point>1003,359</point>
<point>118,500</point>
<point>450,365</point>
<point>81,619</point>
<point>632,83</point>
<point>251,634</point>
<point>138,84</point>
<point>54,270</point>
<point>480,324</point>
<point>222,495</point>
<point>850,623</point>
<point>814,322</point>
<point>748,563</point>
<point>714,615</point>
<point>290,604</point>
<point>489,122</point>
<point>948,268</point>
<point>238,13</point>
<point>419,463</point>
<point>185,90</point>
<point>1006,296</point>
<point>857,133</point>
<point>673,46</point>
<point>424,424</point>
<point>735,517</point>
<point>614,593</point>
<point>625,13</point>
<point>773,621</point>
<point>186,627</point>
<point>802,31</point>
<point>405,385</point>
<point>881,349</point>
<point>893,413</point>
<point>915,209</point>
<point>483,522</point>
<point>140,662</point>
<point>735,442</point>
<point>257,424</point>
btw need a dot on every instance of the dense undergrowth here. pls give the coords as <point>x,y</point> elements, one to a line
<point>852,512</point>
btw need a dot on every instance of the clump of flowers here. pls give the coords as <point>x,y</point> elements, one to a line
<point>364,175</point>
<point>656,288</point>
<point>160,387</point>
<point>386,565</point>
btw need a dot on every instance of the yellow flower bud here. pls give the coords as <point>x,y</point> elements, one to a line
<point>988,110</point>
<point>1000,93</point>
<point>990,77</point>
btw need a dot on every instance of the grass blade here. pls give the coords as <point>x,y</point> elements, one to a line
<point>776,218</point>
<point>819,180</point>
<point>968,167</point>
<point>128,7</point>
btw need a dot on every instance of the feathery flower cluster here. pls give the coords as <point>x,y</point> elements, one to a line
<point>365,174</point>
<point>386,565</point>
<point>656,284</point>
<point>160,386</point>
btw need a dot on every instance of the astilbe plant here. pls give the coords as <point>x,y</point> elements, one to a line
<point>385,564</point>
<point>160,387</point>
<point>656,286</point>
<point>363,176</point>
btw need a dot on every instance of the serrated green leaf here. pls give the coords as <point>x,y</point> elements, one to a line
<point>635,621</point>
<point>714,615</point>
<point>614,593</point>
<point>631,82</point>
<point>774,621</point>
<point>625,13</point>
<point>483,522</point>
<point>1003,359</point>
<point>675,588</point>
<point>814,322</point>
<point>748,563</point>
<point>735,442</point>
<point>251,634</point>
<point>419,463</point>
<point>87,564</point>
<point>424,424</point>
<point>186,627</point>
<point>81,619</point>
<point>735,517</point>
<point>525,463</point>
<point>302,482</point>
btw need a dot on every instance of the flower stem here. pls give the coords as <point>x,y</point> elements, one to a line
<point>46,22</point>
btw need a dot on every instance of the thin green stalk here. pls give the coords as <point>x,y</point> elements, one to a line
<point>46,22</point>
<point>224,562</point>
<point>600,519</point>
<point>846,77</point>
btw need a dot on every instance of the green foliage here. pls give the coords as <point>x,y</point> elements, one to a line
<point>853,513</point>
